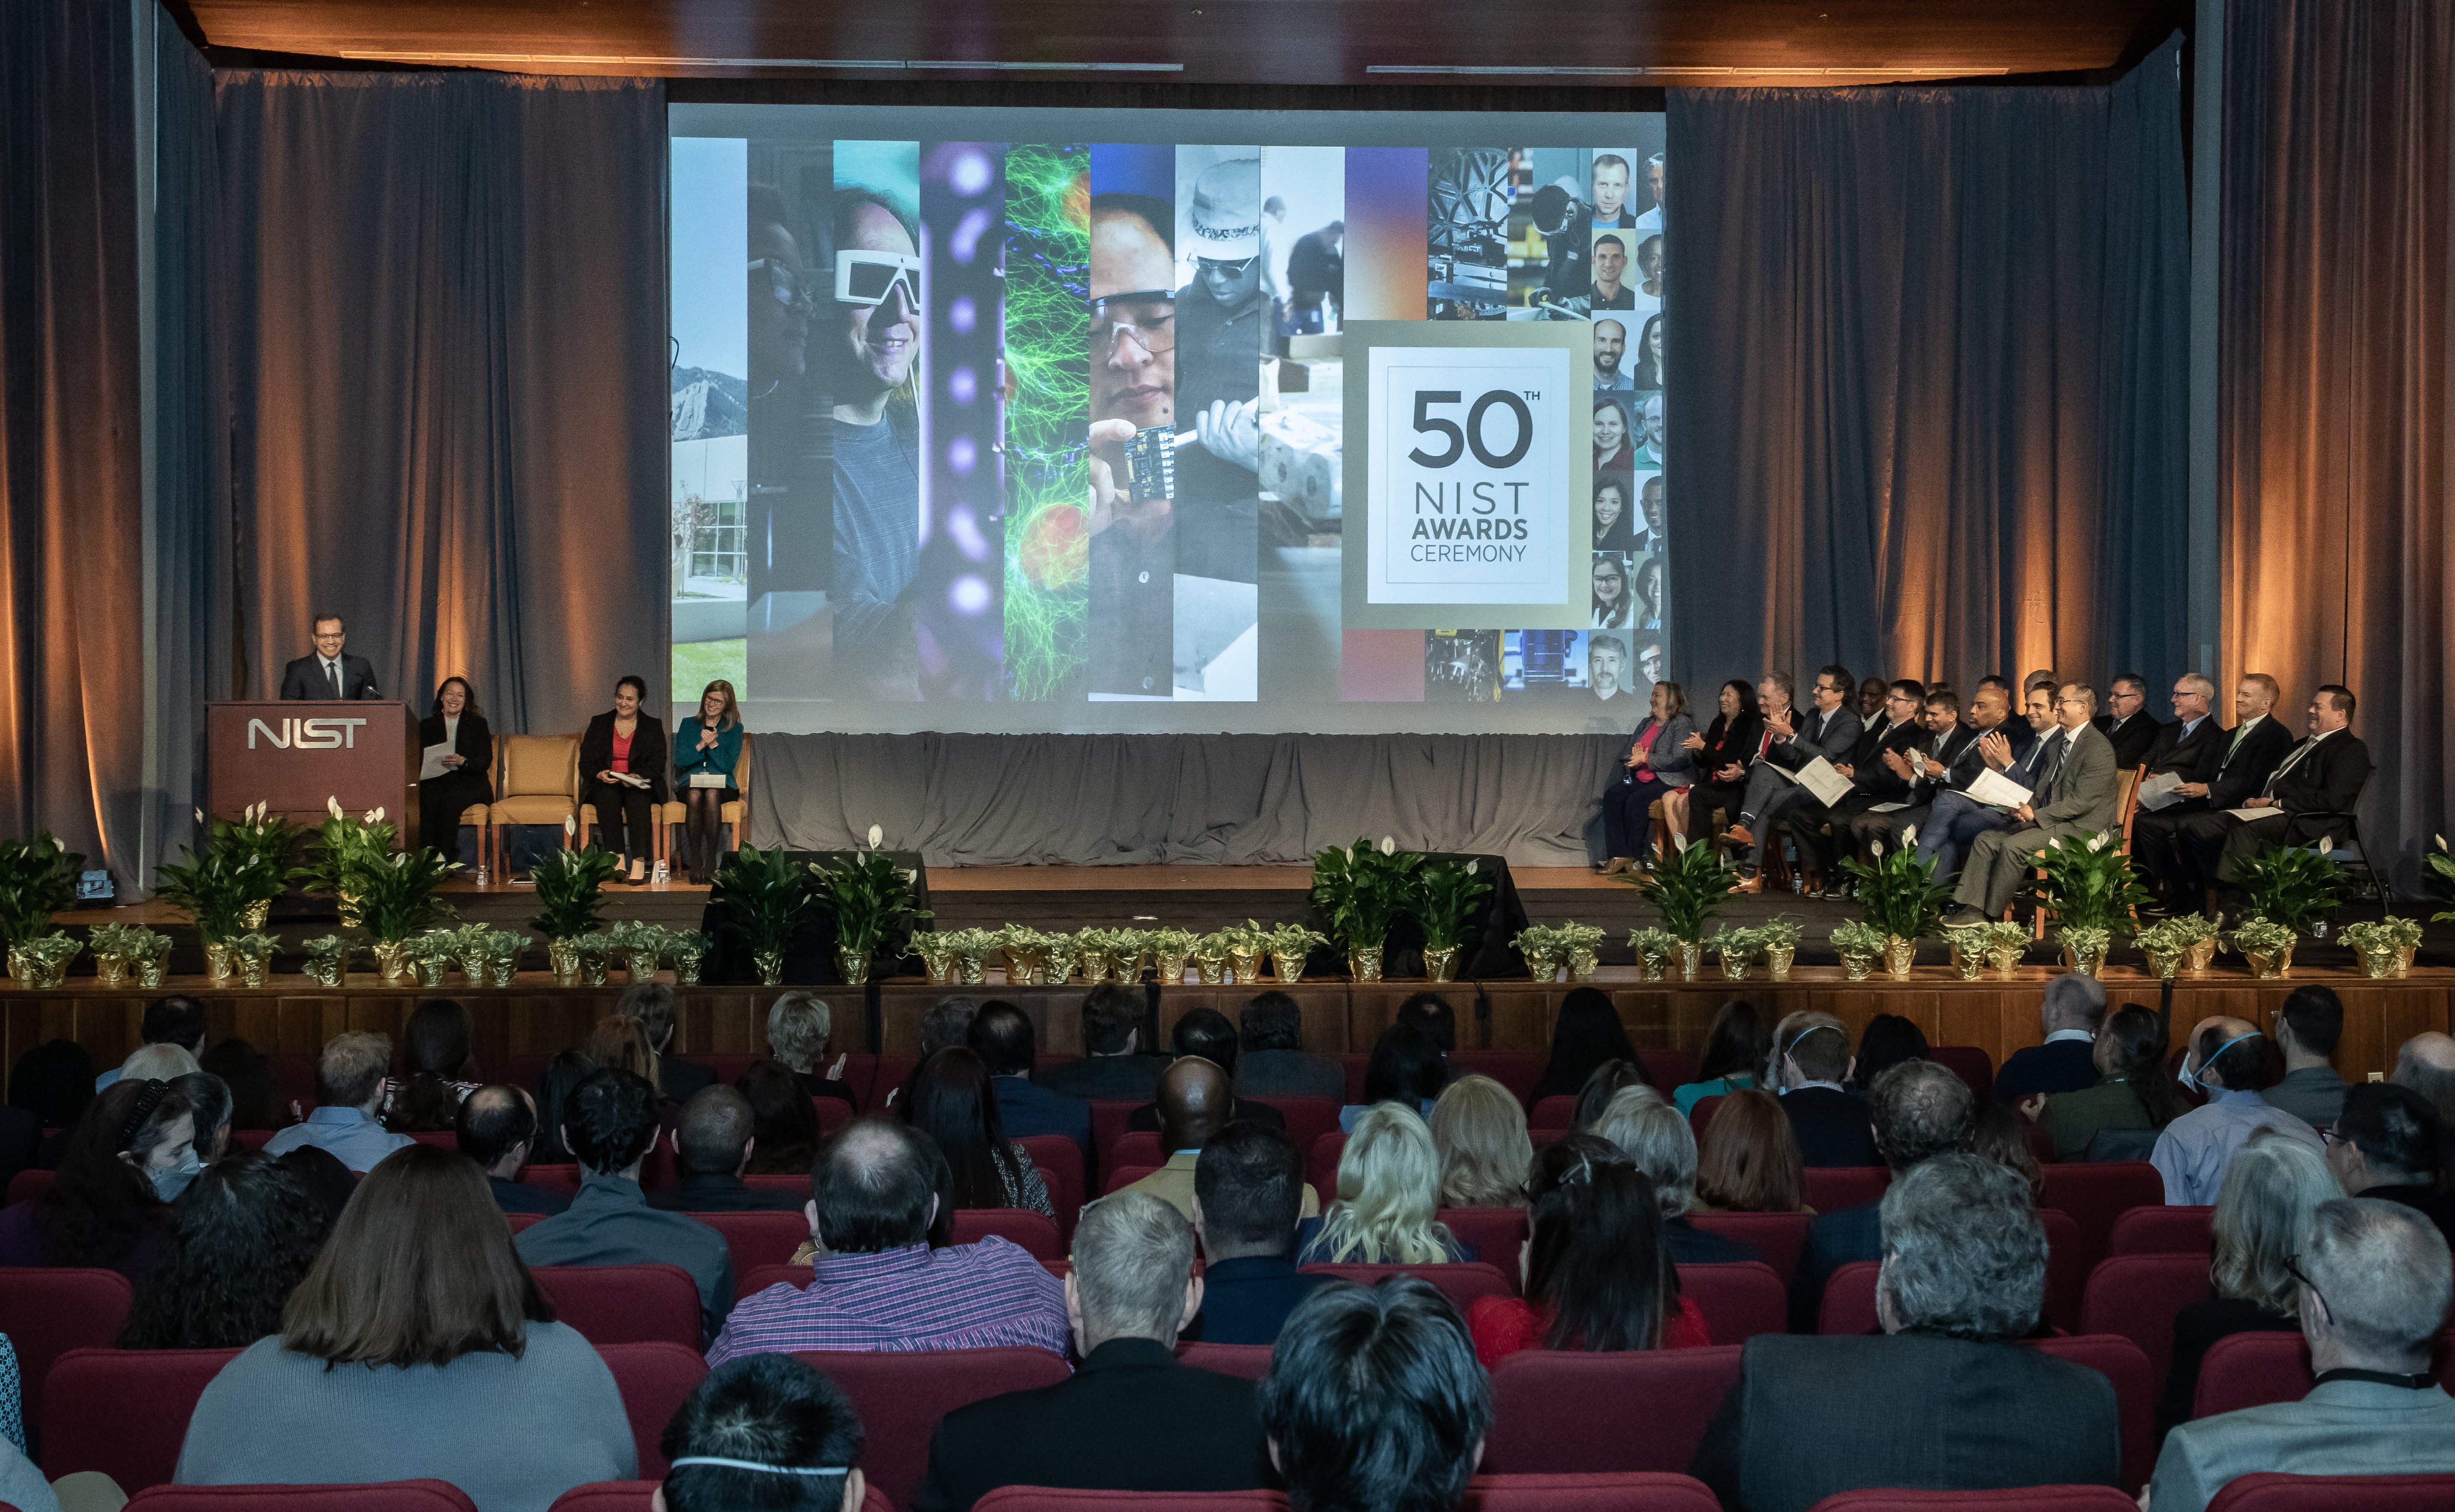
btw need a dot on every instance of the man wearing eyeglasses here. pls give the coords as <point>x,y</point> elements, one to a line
<point>1131,634</point>
<point>2075,795</point>
<point>2226,1059</point>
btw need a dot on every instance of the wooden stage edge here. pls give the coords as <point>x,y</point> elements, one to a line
<point>292,1014</point>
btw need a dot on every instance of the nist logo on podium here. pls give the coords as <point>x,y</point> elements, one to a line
<point>306,734</point>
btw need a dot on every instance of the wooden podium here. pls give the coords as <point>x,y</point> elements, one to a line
<point>296,755</point>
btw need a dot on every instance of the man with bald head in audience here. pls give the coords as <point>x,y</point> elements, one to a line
<point>2426,1064</point>
<point>1196,1100</point>
<point>712,1148</point>
<point>496,1127</point>
<point>2227,1058</point>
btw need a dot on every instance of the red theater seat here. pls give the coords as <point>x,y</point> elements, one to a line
<point>1673,1393</point>
<point>1554,1113</point>
<point>29,1183</point>
<point>885,1073</point>
<point>2066,1273</point>
<point>2252,1370</point>
<point>1849,1304</point>
<point>1309,1119</point>
<point>2027,1499</point>
<point>46,1312</point>
<point>1251,1361</point>
<point>2333,1493</point>
<point>2164,1231</point>
<point>440,1139</point>
<point>1108,1125</point>
<point>655,1378</point>
<point>2137,1296</point>
<point>1060,1162</point>
<point>624,1304</point>
<point>902,1397</point>
<point>2135,1393</point>
<point>1740,1301</point>
<point>1971,1064</point>
<point>1517,1069</point>
<point>750,1284</point>
<point>1496,1233</point>
<point>1041,1499</point>
<point>1135,1147</point>
<point>1777,1236</point>
<point>1830,1188</point>
<point>637,1496</point>
<point>387,1496</point>
<point>792,1181</point>
<point>1702,1114</point>
<point>520,1220</point>
<point>759,1239</point>
<point>124,1412</point>
<point>1020,1225</point>
<point>1126,1175</point>
<point>1668,1068</point>
<point>1462,1283</point>
<point>1588,1493</point>
<point>1321,1166</point>
<point>563,1180</point>
<point>2096,1194</point>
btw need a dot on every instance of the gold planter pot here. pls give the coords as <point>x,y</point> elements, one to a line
<point>1582,966</point>
<point>2165,964</point>
<point>251,970</point>
<point>1170,969</point>
<point>1210,970</point>
<point>1095,966</point>
<point>1857,967</point>
<point>939,971</point>
<point>1899,957</point>
<point>1692,959</point>
<point>431,973</point>
<point>256,913</point>
<point>853,965</point>
<point>1650,967</point>
<point>2006,958</point>
<point>1288,968</point>
<point>2404,955</point>
<point>1735,964</point>
<point>1778,960</point>
<point>2269,967</point>
<point>563,955</point>
<point>1244,967</point>
<point>1970,964</point>
<point>686,971</point>
<point>2200,956</point>
<point>2377,960</point>
<point>1440,963</point>
<point>149,970</point>
<point>2091,965</point>
<point>503,970</point>
<point>219,961</point>
<point>1364,964</point>
<point>770,964</point>
<point>392,963</point>
<point>110,971</point>
<point>970,970</point>
<point>1021,969</point>
<point>324,971</point>
<point>642,964</point>
<point>1543,968</point>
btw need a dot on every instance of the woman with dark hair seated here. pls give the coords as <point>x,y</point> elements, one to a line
<point>418,1346</point>
<point>1599,1272</point>
<point>1608,1081</point>
<point>132,1152</point>
<point>1749,1161</point>
<point>256,1098</point>
<point>1735,1048</point>
<point>950,1102</point>
<point>1587,1033</point>
<point>434,1052</point>
<point>568,1069</point>
<point>622,761</point>
<point>784,1124</point>
<point>1407,1066</point>
<point>242,1238</point>
<point>1887,1040</point>
<point>2132,1091</point>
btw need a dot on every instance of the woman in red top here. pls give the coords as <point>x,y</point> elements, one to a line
<point>1599,1275</point>
<point>622,776</point>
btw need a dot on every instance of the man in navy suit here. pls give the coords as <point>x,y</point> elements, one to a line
<point>1001,1035</point>
<point>328,673</point>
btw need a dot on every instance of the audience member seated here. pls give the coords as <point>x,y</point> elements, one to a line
<point>1997,1134</point>
<point>2132,1090</point>
<point>1653,1136</point>
<point>2308,1028</point>
<point>1207,1033</point>
<point>329,1184</point>
<point>877,1284</point>
<point>157,1063</point>
<point>22,1485</point>
<point>1887,1040</point>
<point>1130,1418</point>
<point>783,1121</point>
<point>434,1052</point>
<point>1388,1194</point>
<point>1944,1399</point>
<point>1274,1062</point>
<point>417,1347</point>
<point>1920,1111</point>
<point>563,1070</point>
<point>946,1023</point>
<point>1195,1099</point>
<point>1431,1012</point>
<point>1609,1081</point>
<point>498,1127</point>
<point>2385,1146</point>
<point>1001,1035</point>
<point>2225,1057</point>
<point>2068,1014</point>
<point>1748,1159</point>
<point>652,1004</point>
<point>106,1207</point>
<point>208,1101</point>
<point>619,1042</point>
<point>242,1237</point>
<point>1814,1062</point>
<point>1407,1067</point>
<point>797,1028</point>
<point>1374,1402</point>
<point>2425,1063</point>
<point>349,1095</point>
<point>1599,1273</point>
<point>178,1020</point>
<point>609,1127</point>
<point>1587,1033</point>
<point>712,1147</point>
<point>2271,1191</point>
<point>1249,1194</point>
<point>1734,1051</point>
<point>1479,1128</point>
<point>764,1432</point>
<point>54,1082</point>
<point>951,1104</point>
<point>2373,1295</point>
<point>1113,1065</point>
<point>256,1098</point>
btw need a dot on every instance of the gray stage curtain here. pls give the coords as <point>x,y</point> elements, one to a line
<point>1929,371</point>
<point>71,557</point>
<point>442,336</point>
<point>1006,800</point>
<point>2336,392</point>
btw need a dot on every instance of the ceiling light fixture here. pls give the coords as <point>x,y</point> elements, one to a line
<point>1673,71</point>
<point>646,61</point>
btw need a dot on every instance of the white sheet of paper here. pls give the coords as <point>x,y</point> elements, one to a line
<point>2161,791</point>
<point>431,766</point>
<point>2254,816</point>
<point>1886,808</point>
<point>1994,788</point>
<point>1819,777</point>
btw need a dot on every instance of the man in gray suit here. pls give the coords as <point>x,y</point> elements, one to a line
<point>2375,1290</point>
<point>2076,794</point>
<point>1830,728</point>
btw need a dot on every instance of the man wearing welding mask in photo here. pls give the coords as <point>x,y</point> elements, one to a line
<point>865,348</point>
<point>2227,1058</point>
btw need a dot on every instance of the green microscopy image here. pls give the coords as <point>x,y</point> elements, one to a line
<point>1049,373</point>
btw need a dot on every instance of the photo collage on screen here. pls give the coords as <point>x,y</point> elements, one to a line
<point>1569,233</point>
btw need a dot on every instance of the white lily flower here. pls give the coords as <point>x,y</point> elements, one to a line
<point>1470,866</point>
<point>2097,842</point>
<point>877,835</point>
<point>332,806</point>
<point>570,825</point>
<point>912,876</point>
<point>374,816</point>
<point>1389,846</point>
<point>200,816</point>
<point>1909,837</point>
<point>1879,849</point>
<point>2442,842</point>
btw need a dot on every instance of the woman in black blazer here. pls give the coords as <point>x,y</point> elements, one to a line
<point>465,780</point>
<point>625,742</point>
<point>1734,738</point>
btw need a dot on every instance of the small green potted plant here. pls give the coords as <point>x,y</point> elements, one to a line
<point>1171,949</point>
<point>686,949</point>
<point>1540,944</point>
<point>1778,938</point>
<point>1737,950</point>
<point>1447,896</point>
<point>117,947</point>
<point>2165,944</point>
<point>1968,943</point>
<point>1127,949</point>
<point>45,959</point>
<point>871,898</point>
<point>253,953</point>
<point>2089,888</point>
<point>2007,943</point>
<point>641,945</point>
<point>595,952</point>
<point>504,948</point>
<point>398,899</point>
<point>1860,946</point>
<point>37,879</point>
<point>1899,896</point>
<point>1246,944</point>
<point>936,949</point>
<point>1290,945</point>
<point>214,890</point>
<point>431,953</point>
<point>1210,959</point>
<point>1687,888</point>
<point>2378,944</point>
<point>2267,945</point>
<point>1579,945</point>
<point>1654,949</point>
<point>328,959</point>
<point>1364,889</point>
<point>571,900</point>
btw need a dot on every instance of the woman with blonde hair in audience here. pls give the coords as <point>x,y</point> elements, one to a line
<point>797,1028</point>
<point>2272,1187</point>
<point>1479,1128</point>
<point>1748,1159</point>
<point>418,1346</point>
<point>619,1041</point>
<point>1389,1198</point>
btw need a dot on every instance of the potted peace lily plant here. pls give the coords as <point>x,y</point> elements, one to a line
<point>871,897</point>
<point>214,890</point>
<point>265,837</point>
<point>1447,895</point>
<point>1899,899</point>
<point>398,899</point>
<point>1364,889</point>
<point>2284,891</point>
<point>2090,889</point>
<point>1687,888</point>
<point>37,879</point>
<point>344,848</point>
<point>571,903</point>
<point>767,896</point>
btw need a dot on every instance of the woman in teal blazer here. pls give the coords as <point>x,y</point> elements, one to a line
<point>707,746</point>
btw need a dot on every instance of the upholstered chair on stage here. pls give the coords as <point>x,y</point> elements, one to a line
<point>539,785</point>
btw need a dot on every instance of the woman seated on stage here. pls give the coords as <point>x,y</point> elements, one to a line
<point>1389,1198</point>
<point>622,762</point>
<point>1658,763</point>
<point>465,782</point>
<point>1720,757</point>
<point>706,747</point>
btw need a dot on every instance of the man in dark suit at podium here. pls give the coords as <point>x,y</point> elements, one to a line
<point>328,673</point>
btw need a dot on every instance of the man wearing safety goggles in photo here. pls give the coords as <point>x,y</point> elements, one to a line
<point>866,348</point>
<point>1131,612</point>
<point>2227,1058</point>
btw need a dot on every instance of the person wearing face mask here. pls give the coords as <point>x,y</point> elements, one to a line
<point>2226,1059</point>
<point>622,762</point>
<point>108,1207</point>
